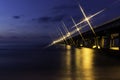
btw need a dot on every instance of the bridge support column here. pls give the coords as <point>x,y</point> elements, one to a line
<point>107,42</point>
<point>119,41</point>
<point>111,42</point>
<point>102,41</point>
<point>77,43</point>
<point>97,42</point>
<point>83,43</point>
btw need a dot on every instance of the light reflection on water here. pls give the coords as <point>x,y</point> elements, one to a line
<point>87,58</point>
<point>79,64</point>
<point>64,63</point>
<point>87,64</point>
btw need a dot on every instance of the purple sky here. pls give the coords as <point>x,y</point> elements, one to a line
<point>39,18</point>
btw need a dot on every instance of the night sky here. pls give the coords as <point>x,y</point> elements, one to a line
<point>38,19</point>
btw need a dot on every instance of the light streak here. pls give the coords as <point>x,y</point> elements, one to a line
<point>78,29</point>
<point>64,27</point>
<point>68,33</point>
<point>66,36</point>
<point>63,37</point>
<point>88,18</point>
<point>115,48</point>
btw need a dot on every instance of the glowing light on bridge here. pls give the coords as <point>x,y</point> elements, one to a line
<point>87,18</point>
<point>114,48</point>
<point>68,47</point>
<point>95,46</point>
<point>81,45</point>
<point>64,37</point>
<point>78,29</point>
<point>69,34</point>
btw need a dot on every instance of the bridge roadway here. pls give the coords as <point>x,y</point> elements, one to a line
<point>107,36</point>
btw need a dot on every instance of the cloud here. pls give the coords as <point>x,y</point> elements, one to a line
<point>16,17</point>
<point>67,7</point>
<point>45,19</point>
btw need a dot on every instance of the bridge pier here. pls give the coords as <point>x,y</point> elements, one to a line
<point>82,43</point>
<point>107,37</point>
<point>111,42</point>
<point>102,41</point>
<point>119,41</point>
<point>115,41</point>
<point>107,41</point>
<point>98,42</point>
<point>91,42</point>
<point>77,43</point>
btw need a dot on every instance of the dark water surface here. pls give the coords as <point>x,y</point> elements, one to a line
<point>56,63</point>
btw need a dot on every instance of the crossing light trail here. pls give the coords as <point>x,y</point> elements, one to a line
<point>74,31</point>
<point>59,39</point>
<point>88,18</point>
<point>78,29</point>
<point>65,29</point>
<point>107,8</point>
<point>63,37</point>
<point>60,33</point>
<point>68,34</point>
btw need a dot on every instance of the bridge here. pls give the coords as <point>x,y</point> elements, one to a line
<point>107,37</point>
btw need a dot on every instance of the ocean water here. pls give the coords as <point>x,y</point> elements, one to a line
<point>33,61</point>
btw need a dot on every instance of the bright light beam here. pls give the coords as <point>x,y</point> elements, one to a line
<point>59,39</point>
<point>74,31</point>
<point>68,33</point>
<point>88,18</point>
<point>78,29</point>
<point>64,38</point>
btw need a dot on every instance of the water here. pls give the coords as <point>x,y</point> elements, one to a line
<point>32,62</point>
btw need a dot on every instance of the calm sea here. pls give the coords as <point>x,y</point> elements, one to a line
<point>32,61</point>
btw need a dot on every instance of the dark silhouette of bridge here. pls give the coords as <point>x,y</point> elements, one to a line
<point>107,37</point>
